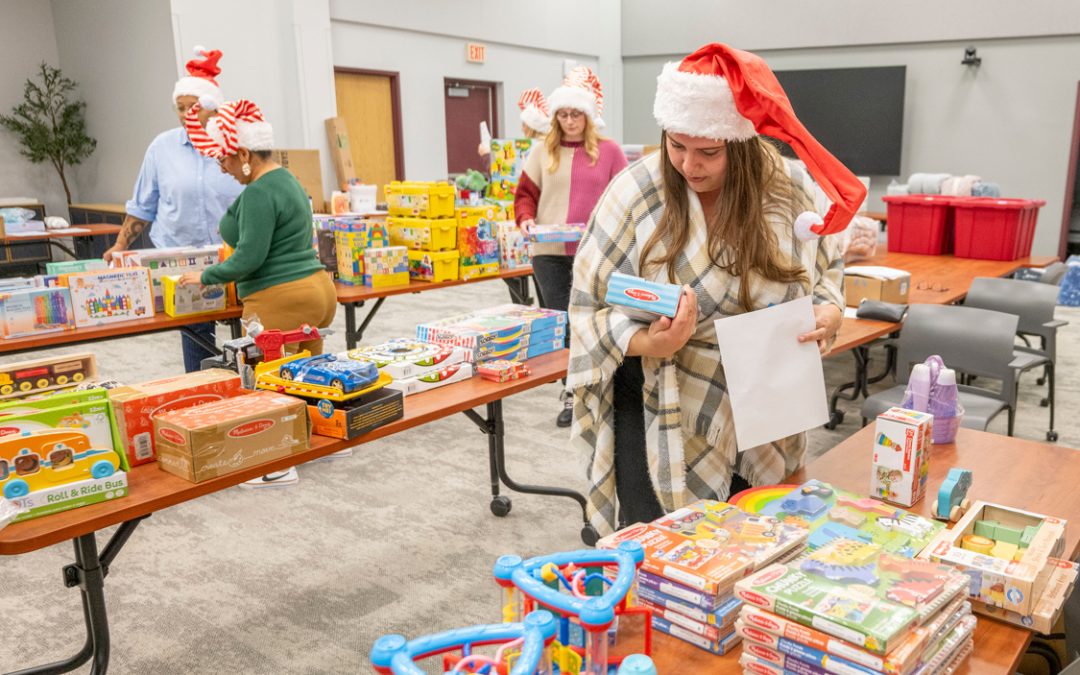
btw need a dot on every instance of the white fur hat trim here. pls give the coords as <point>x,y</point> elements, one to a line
<point>698,105</point>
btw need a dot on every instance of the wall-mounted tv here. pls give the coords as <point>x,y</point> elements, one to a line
<point>857,113</point>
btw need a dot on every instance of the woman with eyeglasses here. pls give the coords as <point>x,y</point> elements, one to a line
<point>720,213</point>
<point>560,184</point>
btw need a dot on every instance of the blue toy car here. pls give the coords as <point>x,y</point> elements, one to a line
<point>326,370</point>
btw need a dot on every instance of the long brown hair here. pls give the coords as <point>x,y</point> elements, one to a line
<point>553,142</point>
<point>739,238</point>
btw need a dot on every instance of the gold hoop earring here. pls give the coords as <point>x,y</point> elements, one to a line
<point>246,169</point>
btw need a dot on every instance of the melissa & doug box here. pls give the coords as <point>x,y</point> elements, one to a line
<point>901,459</point>
<point>136,405</point>
<point>225,436</point>
<point>641,299</point>
<point>110,296</point>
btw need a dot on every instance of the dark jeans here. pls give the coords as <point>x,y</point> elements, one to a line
<point>194,352</point>
<point>554,276</point>
<point>633,486</point>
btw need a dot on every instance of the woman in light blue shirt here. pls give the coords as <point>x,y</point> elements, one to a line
<point>179,194</point>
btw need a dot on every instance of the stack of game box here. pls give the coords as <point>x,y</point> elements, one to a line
<point>545,328</point>
<point>852,607</point>
<point>352,236</point>
<point>416,366</point>
<point>693,558</point>
<point>507,332</point>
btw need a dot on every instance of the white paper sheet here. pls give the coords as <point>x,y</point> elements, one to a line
<point>776,383</point>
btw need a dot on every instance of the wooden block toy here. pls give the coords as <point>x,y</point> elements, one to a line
<point>846,516</point>
<point>977,543</point>
<point>1028,535</point>
<point>1004,550</point>
<point>952,499</point>
<point>1011,535</point>
<point>985,528</point>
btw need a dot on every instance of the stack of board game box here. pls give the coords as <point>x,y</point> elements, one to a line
<point>850,606</point>
<point>694,556</point>
<point>507,332</point>
<point>416,366</point>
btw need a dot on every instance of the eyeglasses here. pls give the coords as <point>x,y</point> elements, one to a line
<point>569,114</point>
<point>932,287</point>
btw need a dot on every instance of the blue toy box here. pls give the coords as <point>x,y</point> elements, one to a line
<point>641,299</point>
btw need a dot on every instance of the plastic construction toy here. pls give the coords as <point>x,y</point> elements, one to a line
<point>526,645</point>
<point>319,377</point>
<point>541,581</point>
<point>272,342</point>
<point>952,501</point>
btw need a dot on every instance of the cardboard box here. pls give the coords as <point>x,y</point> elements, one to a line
<point>110,296</point>
<point>875,283</point>
<point>219,438</point>
<point>71,266</point>
<point>357,417</point>
<point>1049,606</point>
<point>439,378</point>
<point>174,261</point>
<point>135,406</point>
<point>386,266</point>
<point>1015,585</point>
<point>337,134</point>
<point>71,496</point>
<point>434,266</point>
<point>193,299</point>
<point>307,167</point>
<point>403,358</point>
<point>31,311</point>
<point>901,461</point>
<point>23,378</point>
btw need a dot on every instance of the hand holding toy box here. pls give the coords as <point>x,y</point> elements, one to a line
<point>566,232</point>
<point>191,299</point>
<point>641,299</point>
<point>170,262</point>
<point>901,461</point>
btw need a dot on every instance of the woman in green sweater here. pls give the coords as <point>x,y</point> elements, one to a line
<point>278,275</point>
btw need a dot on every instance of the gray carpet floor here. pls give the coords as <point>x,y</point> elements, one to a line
<point>396,538</point>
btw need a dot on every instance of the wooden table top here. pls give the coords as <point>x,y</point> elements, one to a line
<point>349,294</point>
<point>117,209</point>
<point>152,489</point>
<point>998,646</point>
<point>158,322</point>
<point>93,230</point>
<point>945,279</point>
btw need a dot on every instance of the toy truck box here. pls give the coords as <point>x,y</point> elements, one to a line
<point>901,460</point>
<point>219,438</point>
<point>136,405</point>
<point>26,378</point>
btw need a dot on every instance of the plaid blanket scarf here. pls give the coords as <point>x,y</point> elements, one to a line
<point>688,421</point>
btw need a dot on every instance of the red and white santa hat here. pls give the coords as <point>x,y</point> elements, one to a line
<point>724,93</point>
<point>534,110</point>
<point>200,81</point>
<point>237,124</point>
<point>580,90</point>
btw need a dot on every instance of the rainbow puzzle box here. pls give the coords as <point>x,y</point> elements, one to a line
<point>901,461</point>
<point>31,311</point>
<point>641,299</point>
<point>110,296</point>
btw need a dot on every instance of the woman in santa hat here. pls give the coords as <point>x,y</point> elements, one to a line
<point>179,194</point>
<point>719,212</point>
<point>561,183</point>
<point>535,117</point>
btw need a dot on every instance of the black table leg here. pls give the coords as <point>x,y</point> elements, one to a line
<point>235,329</point>
<point>353,333</point>
<point>519,290</point>
<point>492,426</point>
<point>88,573</point>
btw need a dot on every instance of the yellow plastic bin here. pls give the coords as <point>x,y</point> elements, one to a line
<point>468,272</point>
<point>423,200</point>
<point>433,265</point>
<point>423,234</point>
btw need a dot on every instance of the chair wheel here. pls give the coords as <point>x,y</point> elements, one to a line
<point>589,535</point>
<point>1045,402</point>
<point>1052,436</point>
<point>835,419</point>
<point>501,505</point>
<point>1041,381</point>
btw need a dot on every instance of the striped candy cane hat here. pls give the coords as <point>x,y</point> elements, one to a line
<point>238,124</point>
<point>534,110</point>
<point>580,90</point>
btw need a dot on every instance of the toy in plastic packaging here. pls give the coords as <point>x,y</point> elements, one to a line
<point>932,389</point>
<point>8,511</point>
<point>859,240</point>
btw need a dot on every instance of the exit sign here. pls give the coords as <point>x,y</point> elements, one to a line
<point>475,52</point>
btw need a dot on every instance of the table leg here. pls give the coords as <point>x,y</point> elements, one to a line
<point>65,249</point>
<point>235,329</point>
<point>492,425</point>
<point>353,333</point>
<point>88,573</point>
<point>519,290</point>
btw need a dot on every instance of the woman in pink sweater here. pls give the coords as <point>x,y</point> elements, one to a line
<point>561,183</point>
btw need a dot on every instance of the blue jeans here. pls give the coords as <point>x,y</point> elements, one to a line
<point>194,352</point>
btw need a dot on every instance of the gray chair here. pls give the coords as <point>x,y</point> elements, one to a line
<point>970,341</point>
<point>1034,304</point>
<point>1053,273</point>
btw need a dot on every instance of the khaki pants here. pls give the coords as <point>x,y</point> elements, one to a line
<point>311,300</point>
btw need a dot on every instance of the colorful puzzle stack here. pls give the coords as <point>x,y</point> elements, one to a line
<point>352,236</point>
<point>693,558</point>
<point>507,332</point>
<point>478,245</point>
<point>422,219</point>
<point>853,607</point>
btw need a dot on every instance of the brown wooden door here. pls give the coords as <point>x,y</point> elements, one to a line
<point>468,103</point>
<point>370,104</point>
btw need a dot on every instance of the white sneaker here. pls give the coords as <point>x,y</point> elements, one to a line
<point>340,454</point>
<point>276,479</point>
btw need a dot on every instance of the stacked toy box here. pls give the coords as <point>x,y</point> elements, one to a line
<point>545,329</point>
<point>164,262</point>
<point>422,219</point>
<point>853,607</point>
<point>352,236</point>
<point>416,366</point>
<point>693,558</point>
<point>478,244</point>
<point>386,266</point>
<point>507,332</point>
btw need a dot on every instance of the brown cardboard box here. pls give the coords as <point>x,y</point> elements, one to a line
<point>357,417</point>
<point>135,406</point>
<point>858,286</point>
<point>219,438</point>
<point>338,136</point>
<point>307,167</point>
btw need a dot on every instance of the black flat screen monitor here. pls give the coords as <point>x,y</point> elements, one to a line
<point>856,113</point>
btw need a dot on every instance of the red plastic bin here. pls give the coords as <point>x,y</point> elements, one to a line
<point>995,229</point>
<point>919,224</point>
